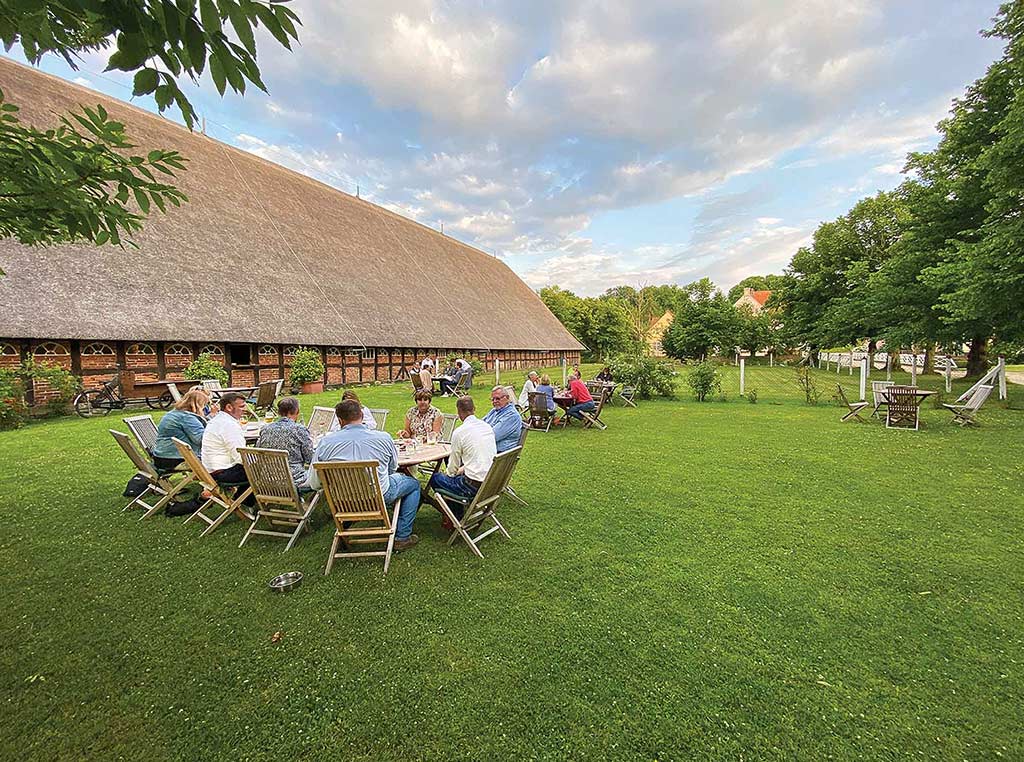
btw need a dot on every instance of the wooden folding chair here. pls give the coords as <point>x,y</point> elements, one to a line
<point>853,408</point>
<point>480,508</point>
<point>628,395</point>
<point>266,394</point>
<point>144,429</point>
<point>447,427</point>
<point>464,382</point>
<point>540,416</point>
<point>211,385</point>
<point>279,502</point>
<point>320,421</point>
<point>878,391</point>
<point>417,382</point>
<point>966,414</point>
<point>509,492</point>
<point>590,420</point>
<point>175,394</point>
<point>354,496</point>
<point>215,493</point>
<point>380,417</point>
<point>156,483</point>
<point>901,411</point>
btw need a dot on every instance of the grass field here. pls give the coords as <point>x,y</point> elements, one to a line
<point>718,581</point>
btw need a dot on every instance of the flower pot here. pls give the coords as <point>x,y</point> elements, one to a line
<point>314,387</point>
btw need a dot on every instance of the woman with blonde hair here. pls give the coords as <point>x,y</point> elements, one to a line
<point>185,422</point>
<point>368,418</point>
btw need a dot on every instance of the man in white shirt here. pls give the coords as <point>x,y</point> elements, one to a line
<point>529,387</point>
<point>473,451</point>
<point>221,440</point>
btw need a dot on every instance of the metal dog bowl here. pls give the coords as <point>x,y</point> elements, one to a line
<point>285,583</point>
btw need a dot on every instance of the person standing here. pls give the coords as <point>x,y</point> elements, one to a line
<point>354,441</point>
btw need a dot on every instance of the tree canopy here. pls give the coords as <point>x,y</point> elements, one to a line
<point>78,181</point>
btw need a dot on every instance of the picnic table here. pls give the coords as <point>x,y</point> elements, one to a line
<point>247,391</point>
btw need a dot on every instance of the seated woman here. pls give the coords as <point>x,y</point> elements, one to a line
<point>187,423</point>
<point>605,374</point>
<point>427,374</point>
<point>368,418</point>
<point>422,418</point>
<point>544,387</point>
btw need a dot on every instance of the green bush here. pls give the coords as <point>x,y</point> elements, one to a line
<point>205,367</point>
<point>14,383</point>
<point>307,367</point>
<point>704,380</point>
<point>651,377</point>
<point>805,380</point>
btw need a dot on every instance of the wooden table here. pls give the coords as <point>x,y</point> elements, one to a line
<point>429,453</point>
<point>252,430</point>
<point>247,391</point>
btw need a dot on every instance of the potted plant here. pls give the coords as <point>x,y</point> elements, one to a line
<point>307,371</point>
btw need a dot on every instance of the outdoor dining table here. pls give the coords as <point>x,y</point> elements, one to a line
<point>424,453</point>
<point>252,430</point>
<point>216,394</point>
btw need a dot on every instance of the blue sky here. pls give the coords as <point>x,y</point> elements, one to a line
<point>595,143</point>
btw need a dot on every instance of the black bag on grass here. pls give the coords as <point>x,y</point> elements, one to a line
<point>136,486</point>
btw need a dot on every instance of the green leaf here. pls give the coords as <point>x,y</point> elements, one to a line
<point>243,29</point>
<point>102,237</point>
<point>196,42</point>
<point>142,199</point>
<point>210,16</point>
<point>217,72</point>
<point>272,24</point>
<point>146,81</point>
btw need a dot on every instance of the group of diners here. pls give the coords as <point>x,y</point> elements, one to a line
<point>582,399</point>
<point>449,379</point>
<point>215,434</point>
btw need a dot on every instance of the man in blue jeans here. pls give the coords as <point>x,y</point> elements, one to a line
<point>354,441</point>
<point>473,451</point>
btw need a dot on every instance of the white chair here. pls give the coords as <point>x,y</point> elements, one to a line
<point>878,394</point>
<point>156,484</point>
<point>320,421</point>
<point>966,414</point>
<point>380,417</point>
<point>447,427</point>
<point>276,495</point>
<point>144,429</point>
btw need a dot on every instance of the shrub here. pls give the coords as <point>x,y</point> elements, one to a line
<point>205,367</point>
<point>14,383</point>
<point>704,381</point>
<point>805,380</point>
<point>650,377</point>
<point>476,365</point>
<point>307,367</point>
<point>13,410</point>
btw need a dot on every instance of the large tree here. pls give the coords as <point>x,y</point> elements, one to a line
<point>80,181</point>
<point>705,322</point>
<point>601,324</point>
<point>768,282</point>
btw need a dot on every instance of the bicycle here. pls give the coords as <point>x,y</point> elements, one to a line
<point>97,402</point>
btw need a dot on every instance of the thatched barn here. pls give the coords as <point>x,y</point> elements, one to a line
<point>260,261</point>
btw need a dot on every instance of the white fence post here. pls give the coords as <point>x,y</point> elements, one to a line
<point>913,368</point>
<point>565,373</point>
<point>497,371</point>
<point>949,376</point>
<point>863,379</point>
<point>851,362</point>
<point>743,367</point>
<point>1001,364</point>
<point>839,363</point>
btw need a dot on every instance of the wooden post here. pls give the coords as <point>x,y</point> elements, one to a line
<point>851,363</point>
<point>948,372</point>
<point>1001,364</point>
<point>743,367</point>
<point>863,379</point>
<point>497,371</point>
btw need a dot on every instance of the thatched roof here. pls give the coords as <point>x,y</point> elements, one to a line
<point>239,261</point>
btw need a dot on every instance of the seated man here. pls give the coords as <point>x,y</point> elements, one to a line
<point>463,370</point>
<point>473,451</point>
<point>605,375</point>
<point>504,419</point>
<point>354,441</point>
<point>286,433</point>
<point>529,387</point>
<point>221,440</point>
<point>583,401</point>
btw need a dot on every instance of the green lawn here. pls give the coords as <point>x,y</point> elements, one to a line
<point>717,580</point>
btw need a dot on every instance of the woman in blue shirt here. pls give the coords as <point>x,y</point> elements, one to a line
<point>184,422</point>
<point>545,387</point>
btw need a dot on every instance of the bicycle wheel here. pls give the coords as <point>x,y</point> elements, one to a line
<point>92,403</point>
<point>163,402</point>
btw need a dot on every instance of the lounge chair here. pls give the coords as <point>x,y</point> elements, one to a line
<point>156,483</point>
<point>966,414</point>
<point>144,430</point>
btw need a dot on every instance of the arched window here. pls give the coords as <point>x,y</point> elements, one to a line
<point>51,349</point>
<point>212,349</point>
<point>334,351</point>
<point>268,350</point>
<point>8,350</point>
<point>97,348</point>
<point>140,349</point>
<point>291,349</point>
<point>177,349</point>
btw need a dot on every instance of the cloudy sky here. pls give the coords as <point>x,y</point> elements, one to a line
<point>596,143</point>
